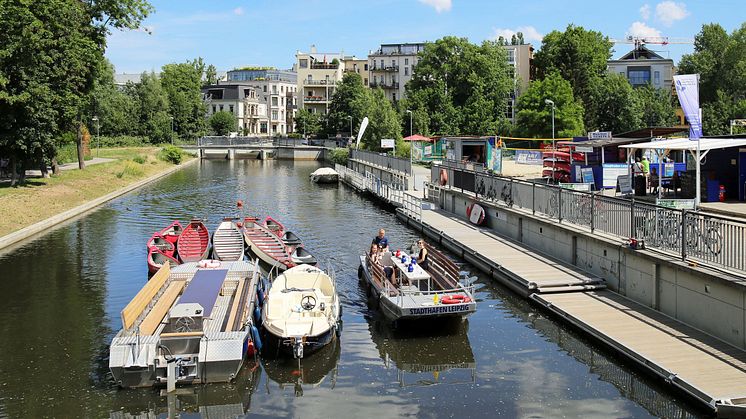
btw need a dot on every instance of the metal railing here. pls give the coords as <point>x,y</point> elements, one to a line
<point>692,235</point>
<point>231,141</point>
<point>382,160</point>
<point>412,206</point>
<point>322,82</point>
<point>391,193</point>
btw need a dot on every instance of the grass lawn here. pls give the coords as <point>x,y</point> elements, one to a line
<point>39,199</point>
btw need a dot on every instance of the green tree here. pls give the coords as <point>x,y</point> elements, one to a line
<point>612,105</point>
<point>211,75</point>
<point>117,111</point>
<point>182,83</point>
<point>534,117</point>
<point>579,55</point>
<point>462,87</point>
<point>308,123</point>
<point>383,122</point>
<point>223,123</point>
<point>152,103</point>
<point>656,107</point>
<point>351,98</point>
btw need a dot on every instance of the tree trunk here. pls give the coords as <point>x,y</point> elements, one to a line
<point>13,173</point>
<point>43,166</point>
<point>55,166</point>
<point>22,177</point>
<point>79,143</point>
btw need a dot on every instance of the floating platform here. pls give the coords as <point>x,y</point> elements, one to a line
<point>187,325</point>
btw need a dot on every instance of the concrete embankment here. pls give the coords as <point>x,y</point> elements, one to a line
<point>44,226</point>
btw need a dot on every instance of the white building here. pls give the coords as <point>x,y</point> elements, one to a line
<point>243,101</point>
<point>521,62</point>
<point>278,92</point>
<point>391,66</point>
<point>642,66</point>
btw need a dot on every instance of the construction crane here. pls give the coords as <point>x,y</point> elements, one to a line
<point>639,41</point>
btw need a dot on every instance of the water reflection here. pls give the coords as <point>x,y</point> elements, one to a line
<point>306,373</point>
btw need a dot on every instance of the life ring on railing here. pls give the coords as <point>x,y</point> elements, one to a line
<point>443,177</point>
<point>455,299</point>
<point>475,213</point>
<point>208,263</point>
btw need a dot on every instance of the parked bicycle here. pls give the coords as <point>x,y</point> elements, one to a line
<point>707,235</point>
<point>507,195</point>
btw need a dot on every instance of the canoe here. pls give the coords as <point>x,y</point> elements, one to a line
<point>156,260</point>
<point>228,242</point>
<point>563,155</point>
<point>194,242</point>
<point>172,232</point>
<point>560,175</point>
<point>302,256</point>
<point>162,244</point>
<point>557,165</point>
<point>274,226</point>
<point>302,312</point>
<point>265,245</point>
<point>291,239</point>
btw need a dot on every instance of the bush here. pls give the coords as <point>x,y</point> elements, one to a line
<point>130,169</point>
<point>223,123</point>
<point>124,141</point>
<point>171,154</point>
<point>295,135</point>
<point>339,155</point>
<point>139,159</point>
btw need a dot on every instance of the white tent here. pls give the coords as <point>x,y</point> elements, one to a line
<point>698,149</point>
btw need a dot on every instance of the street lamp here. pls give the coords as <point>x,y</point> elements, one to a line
<point>554,157</point>
<point>350,126</point>
<point>98,137</point>
<point>410,148</point>
<point>172,129</point>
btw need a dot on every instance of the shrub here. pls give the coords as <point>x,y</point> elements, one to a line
<point>171,154</point>
<point>123,141</point>
<point>130,169</point>
<point>139,159</point>
<point>339,155</point>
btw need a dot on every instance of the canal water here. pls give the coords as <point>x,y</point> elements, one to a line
<point>62,294</point>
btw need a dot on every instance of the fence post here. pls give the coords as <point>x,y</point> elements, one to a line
<point>533,198</point>
<point>559,204</point>
<point>683,234</point>
<point>632,231</point>
<point>593,207</point>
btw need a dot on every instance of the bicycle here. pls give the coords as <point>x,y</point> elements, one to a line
<point>710,236</point>
<point>660,229</point>
<point>507,195</point>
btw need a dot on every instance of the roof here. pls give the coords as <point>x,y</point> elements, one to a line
<point>641,53</point>
<point>616,141</point>
<point>688,144</point>
<point>649,132</point>
<point>418,137</point>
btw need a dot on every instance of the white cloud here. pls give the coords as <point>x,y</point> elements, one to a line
<point>669,12</point>
<point>640,29</point>
<point>529,33</point>
<point>238,11</point>
<point>645,12</point>
<point>438,5</point>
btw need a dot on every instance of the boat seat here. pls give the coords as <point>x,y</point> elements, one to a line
<point>144,297</point>
<point>159,310</point>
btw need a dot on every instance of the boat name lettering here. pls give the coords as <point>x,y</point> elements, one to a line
<point>439,309</point>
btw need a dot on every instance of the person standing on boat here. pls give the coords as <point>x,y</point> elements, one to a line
<point>422,257</point>
<point>381,241</point>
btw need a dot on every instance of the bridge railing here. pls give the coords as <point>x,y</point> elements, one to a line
<point>232,141</point>
<point>382,160</point>
<point>691,235</point>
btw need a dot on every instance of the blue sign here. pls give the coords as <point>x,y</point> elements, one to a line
<point>687,88</point>
<point>529,157</point>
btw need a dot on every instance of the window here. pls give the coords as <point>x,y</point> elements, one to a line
<point>230,108</point>
<point>264,88</point>
<point>375,80</point>
<point>282,89</point>
<point>657,78</point>
<point>274,100</point>
<point>393,95</point>
<point>365,82</point>
<point>213,108</point>
<point>274,115</point>
<point>382,65</point>
<point>274,88</point>
<point>638,75</point>
<point>366,67</point>
<point>303,63</point>
<point>511,55</point>
<point>221,108</point>
<point>263,127</point>
<point>406,61</point>
<point>406,71</point>
<point>509,108</point>
<point>274,129</point>
<point>393,63</point>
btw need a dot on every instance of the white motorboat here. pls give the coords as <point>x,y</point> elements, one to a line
<point>302,312</point>
<point>325,175</point>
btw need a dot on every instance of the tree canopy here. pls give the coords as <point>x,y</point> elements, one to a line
<point>223,123</point>
<point>534,117</point>
<point>182,83</point>
<point>351,99</point>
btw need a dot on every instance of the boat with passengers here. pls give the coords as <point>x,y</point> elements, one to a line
<point>412,292</point>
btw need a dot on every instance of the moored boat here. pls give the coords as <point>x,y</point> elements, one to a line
<point>158,258</point>
<point>172,232</point>
<point>266,245</point>
<point>194,242</point>
<point>228,242</point>
<point>301,313</point>
<point>162,244</point>
<point>325,175</point>
<point>302,256</point>
<point>274,226</point>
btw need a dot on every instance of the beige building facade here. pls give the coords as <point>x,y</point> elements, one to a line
<point>318,75</point>
<point>390,67</point>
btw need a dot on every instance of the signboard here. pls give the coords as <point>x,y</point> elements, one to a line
<point>416,151</point>
<point>585,187</point>
<point>624,184</point>
<point>495,161</point>
<point>612,171</point>
<point>676,203</point>
<point>687,89</point>
<point>668,169</point>
<point>581,149</point>
<point>599,135</point>
<point>586,174</point>
<point>428,150</point>
<point>528,157</point>
<point>387,143</point>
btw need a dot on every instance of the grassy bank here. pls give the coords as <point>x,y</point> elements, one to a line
<point>40,199</point>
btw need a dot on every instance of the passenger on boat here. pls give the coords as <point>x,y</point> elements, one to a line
<point>383,259</point>
<point>422,256</point>
<point>381,240</point>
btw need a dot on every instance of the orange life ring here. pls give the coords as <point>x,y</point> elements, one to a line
<point>208,263</point>
<point>455,299</point>
<point>443,177</point>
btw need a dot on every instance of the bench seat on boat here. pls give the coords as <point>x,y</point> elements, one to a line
<point>144,297</point>
<point>159,310</point>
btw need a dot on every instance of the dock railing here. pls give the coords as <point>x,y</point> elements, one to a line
<point>232,141</point>
<point>382,160</point>
<point>392,193</point>
<point>695,236</point>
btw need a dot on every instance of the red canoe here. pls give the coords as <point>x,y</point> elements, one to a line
<point>172,232</point>
<point>559,175</point>
<point>557,165</point>
<point>156,259</point>
<point>274,226</point>
<point>266,245</point>
<point>162,244</point>
<point>564,156</point>
<point>194,242</point>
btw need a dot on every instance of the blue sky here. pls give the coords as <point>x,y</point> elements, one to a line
<point>234,33</point>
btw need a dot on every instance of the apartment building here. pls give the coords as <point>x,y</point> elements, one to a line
<point>642,66</point>
<point>390,67</point>
<point>318,75</point>
<point>242,100</point>
<point>357,65</point>
<point>521,62</point>
<point>277,90</point>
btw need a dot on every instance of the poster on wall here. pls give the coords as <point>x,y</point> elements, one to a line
<point>428,150</point>
<point>612,171</point>
<point>495,162</point>
<point>528,157</point>
<point>416,150</point>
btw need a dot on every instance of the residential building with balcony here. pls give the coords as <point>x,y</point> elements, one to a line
<point>277,90</point>
<point>391,66</point>
<point>318,75</point>
<point>642,66</point>
<point>521,67</point>
<point>244,101</point>
<point>359,66</point>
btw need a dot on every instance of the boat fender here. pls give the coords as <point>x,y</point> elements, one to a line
<point>260,297</point>
<point>256,338</point>
<point>250,348</point>
<point>443,177</point>
<point>257,316</point>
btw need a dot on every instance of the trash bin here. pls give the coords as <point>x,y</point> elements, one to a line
<point>640,186</point>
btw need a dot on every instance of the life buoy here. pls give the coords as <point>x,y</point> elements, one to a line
<point>208,263</point>
<point>475,213</point>
<point>443,177</point>
<point>455,299</point>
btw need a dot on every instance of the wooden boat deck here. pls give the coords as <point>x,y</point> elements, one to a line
<point>531,270</point>
<point>689,358</point>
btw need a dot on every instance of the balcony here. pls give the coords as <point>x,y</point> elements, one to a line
<point>314,99</point>
<point>324,66</point>
<point>319,82</point>
<point>385,85</point>
<point>388,68</point>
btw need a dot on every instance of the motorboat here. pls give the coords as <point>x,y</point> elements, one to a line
<point>417,293</point>
<point>302,312</point>
<point>228,242</point>
<point>194,242</point>
<point>188,325</point>
<point>157,258</point>
<point>325,175</point>
<point>266,245</point>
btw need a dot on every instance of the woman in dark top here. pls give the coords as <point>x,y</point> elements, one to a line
<point>422,256</point>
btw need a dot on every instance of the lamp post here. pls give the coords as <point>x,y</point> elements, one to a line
<point>554,159</point>
<point>172,129</point>
<point>98,137</point>
<point>350,126</point>
<point>414,180</point>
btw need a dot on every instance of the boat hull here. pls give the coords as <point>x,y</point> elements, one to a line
<point>194,242</point>
<point>228,242</point>
<point>325,178</point>
<point>285,345</point>
<point>266,246</point>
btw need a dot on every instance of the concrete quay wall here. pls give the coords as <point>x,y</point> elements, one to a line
<point>704,298</point>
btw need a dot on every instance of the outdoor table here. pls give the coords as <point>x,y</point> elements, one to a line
<point>418,274</point>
